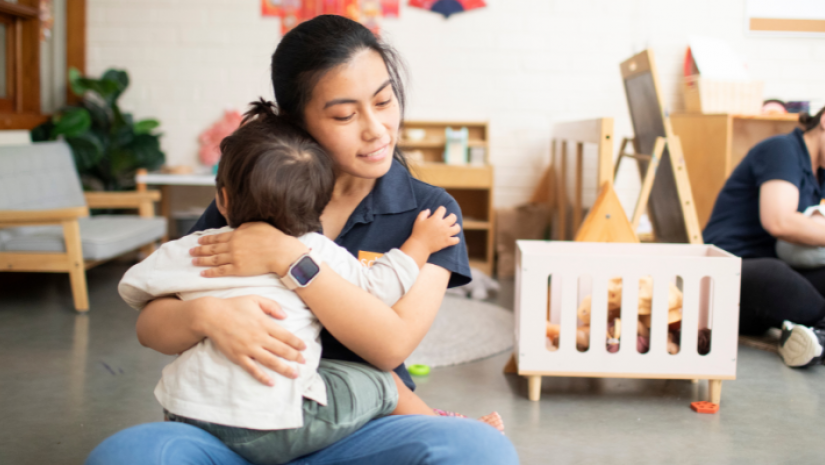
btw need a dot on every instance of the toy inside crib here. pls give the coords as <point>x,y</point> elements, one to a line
<point>614,323</point>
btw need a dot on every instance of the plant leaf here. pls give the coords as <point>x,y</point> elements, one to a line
<point>121,80</point>
<point>87,151</point>
<point>146,126</point>
<point>74,84</point>
<point>122,136</point>
<point>101,116</point>
<point>43,132</point>
<point>146,151</point>
<point>71,122</point>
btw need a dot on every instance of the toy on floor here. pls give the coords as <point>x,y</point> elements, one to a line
<point>419,370</point>
<point>479,288</point>
<point>614,323</point>
<point>704,407</point>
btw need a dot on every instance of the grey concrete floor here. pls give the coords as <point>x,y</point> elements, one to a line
<point>68,381</point>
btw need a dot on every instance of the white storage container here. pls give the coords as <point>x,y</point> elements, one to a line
<point>549,278</point>
<point>703,95</point>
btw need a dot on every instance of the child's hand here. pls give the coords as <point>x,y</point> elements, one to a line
<point>435,232</point>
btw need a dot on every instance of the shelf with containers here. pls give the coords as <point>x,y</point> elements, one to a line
<point>471,183</point>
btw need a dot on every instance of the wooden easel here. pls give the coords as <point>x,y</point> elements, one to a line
<point>648,166</point>
<point>658,152</point>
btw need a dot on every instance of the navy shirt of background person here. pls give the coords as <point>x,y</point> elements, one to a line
<point>735,224</point>
<point>381,222</point>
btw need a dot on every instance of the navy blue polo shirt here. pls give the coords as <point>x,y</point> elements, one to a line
<point>381,222</point>
<point>734,224</point>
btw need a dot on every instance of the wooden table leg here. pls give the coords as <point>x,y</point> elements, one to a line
<point>165,211</point>
<point>715,390</point>
<point>534,387</point>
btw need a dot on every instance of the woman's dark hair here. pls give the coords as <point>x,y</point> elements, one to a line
<point>809,122</point>
<point>273,171</point>
<point>315,47</point>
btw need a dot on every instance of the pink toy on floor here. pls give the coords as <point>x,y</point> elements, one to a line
<point>210,139</point>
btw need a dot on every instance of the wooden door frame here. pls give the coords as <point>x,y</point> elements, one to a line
<point>26,112</point>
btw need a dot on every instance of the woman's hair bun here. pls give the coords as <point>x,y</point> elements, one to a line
<point>809,122</point>
<point>261,110</point>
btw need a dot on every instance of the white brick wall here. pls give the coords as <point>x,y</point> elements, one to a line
<point>522,64</point>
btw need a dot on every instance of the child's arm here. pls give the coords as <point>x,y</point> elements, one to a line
<point>430,234</point>
<point>392,275</point>
<point>166,272</point>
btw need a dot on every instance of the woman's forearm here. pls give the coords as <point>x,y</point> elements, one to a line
<point>170,326</point>
<point>381,335</point>
<point>800,229</point>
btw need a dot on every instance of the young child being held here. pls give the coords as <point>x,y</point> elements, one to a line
<point>274,172</point>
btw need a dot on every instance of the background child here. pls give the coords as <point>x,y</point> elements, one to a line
<point>272,171</point>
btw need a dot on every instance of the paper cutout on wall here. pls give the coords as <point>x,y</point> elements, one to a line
<point>271,7</point>
<point>367,12</point>
<point>448,7</point>
<point>389,8</point>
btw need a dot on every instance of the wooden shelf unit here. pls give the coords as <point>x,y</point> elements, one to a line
<point>470,185</point>
<point>714,144</point>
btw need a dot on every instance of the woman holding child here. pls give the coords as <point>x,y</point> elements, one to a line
<point>335,81</point>
<point>768,214</point>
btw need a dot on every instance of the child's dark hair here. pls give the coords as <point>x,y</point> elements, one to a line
<point>809,122</point>
<point>274,172</point>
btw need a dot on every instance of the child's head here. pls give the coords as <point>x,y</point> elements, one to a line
<point>274,172</point>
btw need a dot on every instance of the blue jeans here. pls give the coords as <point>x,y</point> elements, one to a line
<point>400,440</point>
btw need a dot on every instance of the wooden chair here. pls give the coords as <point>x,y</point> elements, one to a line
<point>559,180</point>
<point>44,217</point>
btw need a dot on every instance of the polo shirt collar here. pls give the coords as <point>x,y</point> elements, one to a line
<point>393,192</point>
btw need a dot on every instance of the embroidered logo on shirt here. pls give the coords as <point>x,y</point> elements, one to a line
<point>368,258</point>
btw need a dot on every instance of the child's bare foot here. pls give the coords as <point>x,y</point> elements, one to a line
<point>494,420</point>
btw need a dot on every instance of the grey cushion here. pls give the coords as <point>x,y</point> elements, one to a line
<point>103,237</point>
<point>39,176</point>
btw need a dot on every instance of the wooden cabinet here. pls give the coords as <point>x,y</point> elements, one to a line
<point>714,144</point>
<point>470,185</point>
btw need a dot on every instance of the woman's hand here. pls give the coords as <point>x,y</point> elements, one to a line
<point>250,250</point>
<point>243,331</point>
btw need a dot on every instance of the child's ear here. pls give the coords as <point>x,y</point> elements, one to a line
<point>221,201</point>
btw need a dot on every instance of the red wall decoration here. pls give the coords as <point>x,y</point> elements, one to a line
<point>367,12</point>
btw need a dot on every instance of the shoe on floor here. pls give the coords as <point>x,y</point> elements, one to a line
<point>800,345</point>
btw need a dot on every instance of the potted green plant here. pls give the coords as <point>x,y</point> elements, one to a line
<point>107,144</point>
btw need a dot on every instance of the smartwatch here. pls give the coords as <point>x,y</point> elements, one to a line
<point>302,271</point>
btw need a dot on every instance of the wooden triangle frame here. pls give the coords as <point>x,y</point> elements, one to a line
<point>606,221</point>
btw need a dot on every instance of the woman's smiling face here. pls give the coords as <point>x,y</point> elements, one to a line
<point>354,114</point>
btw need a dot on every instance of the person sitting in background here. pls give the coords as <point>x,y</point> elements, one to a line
<point>762,202</point>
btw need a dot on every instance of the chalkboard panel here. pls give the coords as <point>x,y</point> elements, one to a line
<point>646,112</point>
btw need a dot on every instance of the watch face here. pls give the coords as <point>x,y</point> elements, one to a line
<point>304,270</point>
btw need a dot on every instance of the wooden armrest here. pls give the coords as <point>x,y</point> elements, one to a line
<point>120,199</point>
<point>18,217</point>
